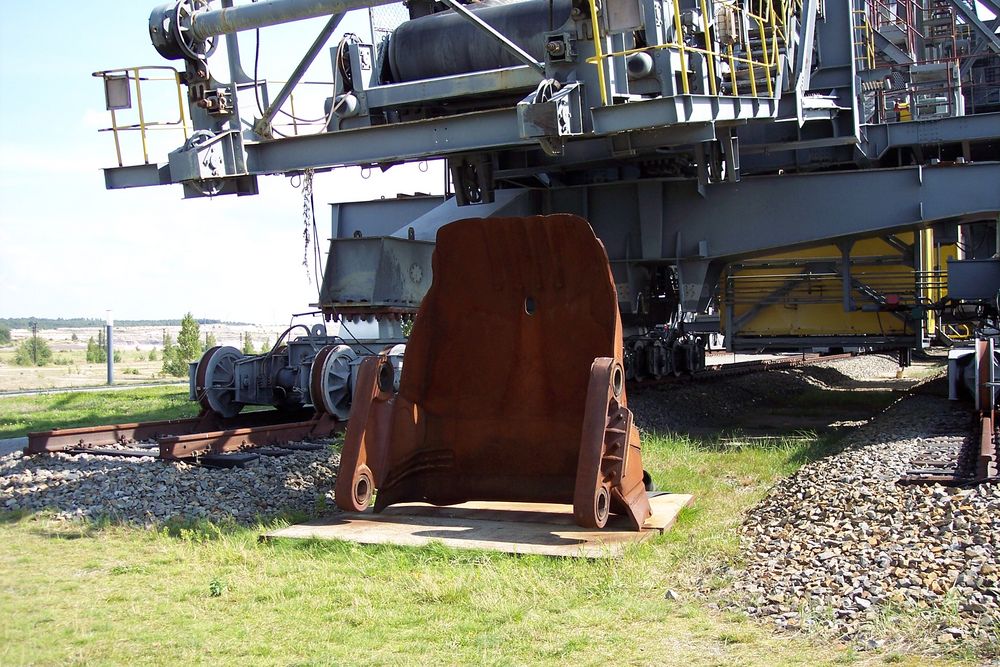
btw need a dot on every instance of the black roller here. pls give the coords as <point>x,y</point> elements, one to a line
<point>444,44</point>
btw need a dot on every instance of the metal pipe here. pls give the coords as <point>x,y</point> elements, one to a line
<point>301,68</point>
<point>845,274</point>
<point>268,13</point>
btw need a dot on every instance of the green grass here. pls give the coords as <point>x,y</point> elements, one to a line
<point>22,414</point>
<point>109,594</point>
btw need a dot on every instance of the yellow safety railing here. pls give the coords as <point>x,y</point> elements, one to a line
<point>771,26</point>
<point>599,57</point>
<point>118,86</point>
<point>864,41</point>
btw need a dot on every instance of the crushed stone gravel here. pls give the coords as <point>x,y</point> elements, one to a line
<point>148,491</point>
<point>840,545</point>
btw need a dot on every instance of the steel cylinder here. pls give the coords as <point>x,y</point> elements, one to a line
<point>445,43</point>
<point>639,65</point>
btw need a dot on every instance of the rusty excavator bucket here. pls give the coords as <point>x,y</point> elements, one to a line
<point>512,387</point>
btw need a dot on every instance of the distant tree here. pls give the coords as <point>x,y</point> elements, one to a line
<point>4,335</point>
<point>74,337</point>
<point>210,341</point>
<point>188,348</point>
<point>33,352</point>
<point>117,356</point>
<point>248,343</point>
<point>96,352</point>
<point>189,339</point>
<point>152,354</point>
<point>169,355</point>
<point>265,347</point>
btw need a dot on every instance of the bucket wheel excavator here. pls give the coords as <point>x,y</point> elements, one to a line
<point>607,161</point>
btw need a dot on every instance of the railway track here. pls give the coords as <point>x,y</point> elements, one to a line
<point>959,460</point>
<point>214,439</point>
<point>741,368</point>
<point>975,458</point>
<point>206,435</point>
<point>953,459</point>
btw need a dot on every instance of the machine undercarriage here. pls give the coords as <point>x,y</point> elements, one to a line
<point>793,175</point>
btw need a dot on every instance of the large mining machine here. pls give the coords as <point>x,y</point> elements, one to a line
<point>627,178</point>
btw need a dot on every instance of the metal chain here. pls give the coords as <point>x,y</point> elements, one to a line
<point>307,217</point>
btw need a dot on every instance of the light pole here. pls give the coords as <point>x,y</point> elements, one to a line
<point>109,322</point>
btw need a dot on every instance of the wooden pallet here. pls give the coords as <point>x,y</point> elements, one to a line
<point>517,528</point>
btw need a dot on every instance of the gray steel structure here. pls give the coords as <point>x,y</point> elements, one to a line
<point>690,133</point>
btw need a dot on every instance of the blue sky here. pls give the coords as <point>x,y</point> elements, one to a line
<point>70,248</point>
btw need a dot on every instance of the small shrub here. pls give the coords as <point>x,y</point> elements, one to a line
<point>248,344</point>
<point>33,352</point>
<point>96,352</point>
<point>152,354</point>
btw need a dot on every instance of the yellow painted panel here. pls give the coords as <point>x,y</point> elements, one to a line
<point>814,305</point>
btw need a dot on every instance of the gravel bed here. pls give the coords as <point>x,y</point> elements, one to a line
<point>841,545</point>
<point>147,491</point>
<point>690,406</point>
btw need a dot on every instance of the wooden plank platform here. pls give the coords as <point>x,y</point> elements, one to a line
<point>518,528</point>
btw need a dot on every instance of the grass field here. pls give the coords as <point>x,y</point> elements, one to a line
<point>107,594</point>
<point>91,593</point>
<point>134,344</point>
<point>21,414</point>
<point>70,369</point>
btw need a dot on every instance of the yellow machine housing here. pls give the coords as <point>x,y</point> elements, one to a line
<point>768,302</point>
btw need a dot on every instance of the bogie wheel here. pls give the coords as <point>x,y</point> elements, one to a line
<point>330,380</point>
<point>215,381</point>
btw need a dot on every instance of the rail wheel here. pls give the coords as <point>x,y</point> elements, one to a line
<point>330,380</point>
<point>215,381</point>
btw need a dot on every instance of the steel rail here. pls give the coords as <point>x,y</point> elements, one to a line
<point>231,440</point>
<point>196,434</point>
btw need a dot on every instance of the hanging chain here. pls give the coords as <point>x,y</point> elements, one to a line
<point>307,217</point>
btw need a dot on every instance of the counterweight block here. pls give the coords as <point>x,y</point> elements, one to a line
<point>513,388</point>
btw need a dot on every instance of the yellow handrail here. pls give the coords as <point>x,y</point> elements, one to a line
<point>597,53</point>
<point>732,69</point>
<point>118,146</point>
<point>180,104</point>
<point>137,75</point>
<point>142,118</point>
<point>708,40</point>
<point>769,18</point>
<point>678,31</point>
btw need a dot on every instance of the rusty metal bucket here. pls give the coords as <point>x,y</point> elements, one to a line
<point>512,386</point>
